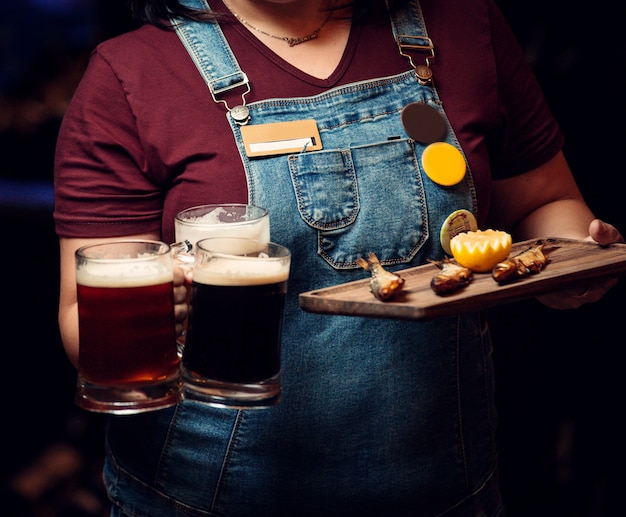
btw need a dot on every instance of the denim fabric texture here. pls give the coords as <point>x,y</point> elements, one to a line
<point>378,417</point>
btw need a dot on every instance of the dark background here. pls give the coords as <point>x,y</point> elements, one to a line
<point>559,373</point>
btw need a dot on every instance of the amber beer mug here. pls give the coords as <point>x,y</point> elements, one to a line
<point>231,356</point>
<point>128,360</point>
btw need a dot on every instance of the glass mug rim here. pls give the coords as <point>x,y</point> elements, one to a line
<point>283,251</point>
<point>180,219</point>
<point>161,248</point>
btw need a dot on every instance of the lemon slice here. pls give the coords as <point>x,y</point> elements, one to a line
<point>481,250</point>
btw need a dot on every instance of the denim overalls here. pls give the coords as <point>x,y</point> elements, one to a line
<point>378,417</point>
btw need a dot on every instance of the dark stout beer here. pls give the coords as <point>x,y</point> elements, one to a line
<point>234,331</point>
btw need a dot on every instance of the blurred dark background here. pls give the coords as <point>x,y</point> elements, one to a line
<point>559,374</point>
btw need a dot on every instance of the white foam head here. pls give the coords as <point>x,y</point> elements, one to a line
<point>241,272</point>
<point>221,221</point>
<point>98,274</point>
<point>236,261</point>
<point>131,263</point>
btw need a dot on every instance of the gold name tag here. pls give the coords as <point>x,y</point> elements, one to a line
<point>281,138</point>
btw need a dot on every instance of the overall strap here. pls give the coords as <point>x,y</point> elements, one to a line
<point>408,22</point>
<point>207,46</point>
<point>409,31</point>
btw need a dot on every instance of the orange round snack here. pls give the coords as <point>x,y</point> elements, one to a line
<point>443,163</point>
<point>481,250</point>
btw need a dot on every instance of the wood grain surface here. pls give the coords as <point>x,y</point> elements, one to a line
<point>569,262</point>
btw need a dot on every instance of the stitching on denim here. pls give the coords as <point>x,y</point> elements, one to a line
<point>459,408</point>
<point>227,456</point>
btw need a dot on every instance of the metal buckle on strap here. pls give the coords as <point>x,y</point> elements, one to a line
<point>240,113</point>
<point>421,44</point>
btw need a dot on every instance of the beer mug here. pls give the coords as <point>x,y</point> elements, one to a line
<point>222,220</point>
<point>217,220</point>
<point>128,360</point>
<point>231,356</point>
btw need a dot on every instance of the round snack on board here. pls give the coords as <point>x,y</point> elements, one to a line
<point>481,250</point>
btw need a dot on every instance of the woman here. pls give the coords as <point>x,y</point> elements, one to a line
<point>378,417</point>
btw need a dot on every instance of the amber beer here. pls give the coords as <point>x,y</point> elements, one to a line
<point>127,360</point>
<point>232,353</point>
<point>117,320</point>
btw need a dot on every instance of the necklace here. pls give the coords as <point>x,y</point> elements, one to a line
<point>287,39</point>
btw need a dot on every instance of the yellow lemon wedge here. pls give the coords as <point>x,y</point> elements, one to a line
<point>481,250</point>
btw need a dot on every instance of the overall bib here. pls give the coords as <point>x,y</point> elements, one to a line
<point>378,417</point>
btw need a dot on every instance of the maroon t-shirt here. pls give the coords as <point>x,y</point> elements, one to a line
<point>143,139</point>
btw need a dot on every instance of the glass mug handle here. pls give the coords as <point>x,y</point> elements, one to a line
<point>182,256</point>
<point>181,252</point>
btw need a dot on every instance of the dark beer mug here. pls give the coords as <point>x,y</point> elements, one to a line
<point>231,356</point>
<point>128,360</point>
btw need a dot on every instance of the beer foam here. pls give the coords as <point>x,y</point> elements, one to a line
<point>193,235</point>
<point>258,231</point>
<point>241,272</point>
<point>212,217</point>
<point>123,274</point>
<point>200,227</point>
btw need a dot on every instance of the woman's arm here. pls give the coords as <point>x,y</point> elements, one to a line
<point>546,202</point>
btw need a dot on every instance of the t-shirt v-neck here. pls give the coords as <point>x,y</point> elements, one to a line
<point>332,80</point>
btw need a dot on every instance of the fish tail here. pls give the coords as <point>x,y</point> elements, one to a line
<point>373,259</point>
<point>363,263</point>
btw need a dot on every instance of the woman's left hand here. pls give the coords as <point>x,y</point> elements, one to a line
<point>579,294</point>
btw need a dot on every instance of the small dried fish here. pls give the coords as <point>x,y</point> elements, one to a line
<point>451,277</point>
<point>383,284</point>
<point>532,260</point>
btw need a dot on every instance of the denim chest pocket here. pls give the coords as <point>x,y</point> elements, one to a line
<point>366,198</point>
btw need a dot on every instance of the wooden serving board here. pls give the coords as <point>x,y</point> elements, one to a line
<point>570,261</point>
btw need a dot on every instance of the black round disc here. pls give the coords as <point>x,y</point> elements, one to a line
<point>423,123</point>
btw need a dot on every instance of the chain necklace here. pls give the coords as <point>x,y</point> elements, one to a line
<point>289,40</point>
